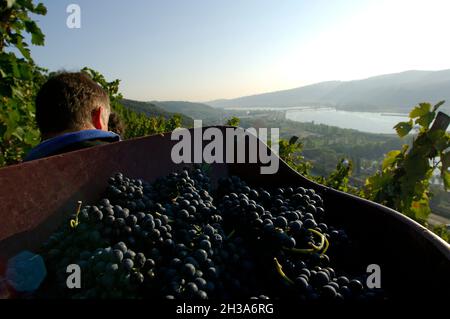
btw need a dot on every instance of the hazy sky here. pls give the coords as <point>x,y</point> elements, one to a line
<point>200,50</point>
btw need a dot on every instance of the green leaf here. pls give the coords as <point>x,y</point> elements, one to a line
<point>27,4</point>
<point>390,158</point>
<point>445,160</point>
<point>24,50</point>
<point>31,137</point>
<point>6,61</point>
<point>446,178</point>
<point>420,110</point>
<point>426,119</point>
<point>18,133</point>
<point>17,92</point>
<point>293,139</point>
<point>40,9</point>
<point>37,37</point>
<point>440,139</point>
<point>416,167</point>
<point>25,72</point>
<point>421,210</point>
<point>233,121</point>
<point>403,128</point>
<point>15,69</point>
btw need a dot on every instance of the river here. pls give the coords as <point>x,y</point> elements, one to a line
<point>361,121</point>
<point>371,122</point>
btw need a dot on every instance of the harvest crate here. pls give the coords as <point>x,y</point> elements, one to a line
<point>35,197</point>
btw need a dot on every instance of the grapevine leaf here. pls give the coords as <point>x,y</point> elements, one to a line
<point>378,182</point>
<point>15,68</point>
<point>426,119</point>
<point>25,72</point>
<point>439,139</point>
<point>40,9</point>
<point>417,167</point>
<point>445,160</point>
<point>390,158</point>
<point>420,110</point>
<point>421,210</point>
<point>446,178</point>
<point>31,137</point>
<point>403,128</point>
<point>24,50</point>
<point>37,37</point>
<point>18,133</point>
<point>18,92</point>
<point>293,139</point>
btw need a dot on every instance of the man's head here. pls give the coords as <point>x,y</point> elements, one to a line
<point>70,102</point>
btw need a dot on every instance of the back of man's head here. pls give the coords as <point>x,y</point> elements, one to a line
<point>71,102</point>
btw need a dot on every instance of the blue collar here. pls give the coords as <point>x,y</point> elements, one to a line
<point>53,145</point>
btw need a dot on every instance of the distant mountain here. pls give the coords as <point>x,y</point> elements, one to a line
<point>194,110</point>
<point>397,92</point>
<point>153,110</point>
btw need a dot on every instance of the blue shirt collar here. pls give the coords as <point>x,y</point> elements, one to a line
<point>53,145</point>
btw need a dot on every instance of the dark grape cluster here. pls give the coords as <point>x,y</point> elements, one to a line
<point>177,239</point>
<point>290,225</point>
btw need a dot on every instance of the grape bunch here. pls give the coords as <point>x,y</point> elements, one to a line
<point>176,238</point>
<point>288,229</point>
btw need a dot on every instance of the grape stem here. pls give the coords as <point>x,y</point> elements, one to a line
<point>231,234</point>
<point>279,269</point>
<point>74,222</point>
<point>315,248</point>
<point>300,250</point>
<point>322,240</point>
<point>327,244</point>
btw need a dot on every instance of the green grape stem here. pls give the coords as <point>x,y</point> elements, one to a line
<point>74,222</point>
<point>322,240</point>
<point>231,234</point>
<point>279,269</point>
<point>327,244</point>
<point>315,248</point>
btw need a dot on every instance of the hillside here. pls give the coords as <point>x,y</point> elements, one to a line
<point>194,110</point>
<point>153,110</point>
<point>188,111</point>
<point>396,92</point>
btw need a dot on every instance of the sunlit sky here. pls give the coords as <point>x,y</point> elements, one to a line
<point>200,50</point>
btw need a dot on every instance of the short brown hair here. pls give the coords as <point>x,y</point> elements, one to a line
<point>66,101</point>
